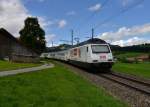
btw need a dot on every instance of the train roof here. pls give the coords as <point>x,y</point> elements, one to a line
<point>91,41</point>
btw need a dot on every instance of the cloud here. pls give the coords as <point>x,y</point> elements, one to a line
<point>50,37</point>
<point>41,0</point>
<point>131,41</point>
<point>126,2</point>
<point>12,16</point>
<point>62,23</point>
<point>95,7</point>
<point>27,1</point>
<point>125,32</point>
<point>71,13</point>
<point>44,22</point>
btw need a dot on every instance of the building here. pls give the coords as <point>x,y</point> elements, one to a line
<point>141,58</point>
<point>13,50</point>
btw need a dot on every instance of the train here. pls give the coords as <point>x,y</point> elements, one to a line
<point>91,54</point>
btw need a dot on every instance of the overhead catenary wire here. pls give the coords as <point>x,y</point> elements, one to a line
<point>94,13</point>
<point>86,21</point>
<point>111,17</point>
<point>118,14</point>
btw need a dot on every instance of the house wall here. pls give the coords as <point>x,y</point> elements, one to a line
<point>5,49</point>
<point>27,59</point>
<point>10,48</point>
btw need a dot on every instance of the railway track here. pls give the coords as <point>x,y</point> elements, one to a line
<point>129,81</point>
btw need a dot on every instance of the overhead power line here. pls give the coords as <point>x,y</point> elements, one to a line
<point>96,12</point>
<point>65,41</point>
<point>86,21</point>
<point>118,14</point>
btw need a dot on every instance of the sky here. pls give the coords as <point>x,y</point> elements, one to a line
<point>119,22</point>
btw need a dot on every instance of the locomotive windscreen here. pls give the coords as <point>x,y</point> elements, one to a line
<point>100,49</point>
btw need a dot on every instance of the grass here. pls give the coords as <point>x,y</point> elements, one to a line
<point>129,54</point>
<point>140,69</point>
<point>5,65</point>
<point>55,87</point>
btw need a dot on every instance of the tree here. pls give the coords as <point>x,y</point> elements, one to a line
<point>32,35</point>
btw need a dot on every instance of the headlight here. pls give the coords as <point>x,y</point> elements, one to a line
<point>95,60</point>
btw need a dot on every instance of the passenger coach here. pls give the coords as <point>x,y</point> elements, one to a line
<point>93,53</point>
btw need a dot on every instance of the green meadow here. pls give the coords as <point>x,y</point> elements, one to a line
<point>139,69</point>
<point>6,65</point>
<point>54,87</point>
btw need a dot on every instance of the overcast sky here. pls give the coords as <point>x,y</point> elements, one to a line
<point>120,22</point>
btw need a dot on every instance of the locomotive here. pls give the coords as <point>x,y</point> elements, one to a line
<point>93,53</point>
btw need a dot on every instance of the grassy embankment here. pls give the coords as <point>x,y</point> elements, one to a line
<point>141,69</point>
<point>5,65</point>
<point>129,54</point>
<point>55,87</point>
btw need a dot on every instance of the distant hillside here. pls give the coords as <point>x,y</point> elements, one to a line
<point>58,48</point>
<point>134,48</point>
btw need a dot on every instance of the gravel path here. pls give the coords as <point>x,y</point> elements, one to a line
<point>24,70</point>
<point>131,97</point>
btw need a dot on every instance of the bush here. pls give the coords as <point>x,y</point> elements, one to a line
<point>125,60</point>
<point>136,60</point>
<point>149,56</point>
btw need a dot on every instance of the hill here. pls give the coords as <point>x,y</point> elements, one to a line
<point>134,48</point>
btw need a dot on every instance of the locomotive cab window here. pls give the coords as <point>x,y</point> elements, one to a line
<point>100,49</point>
<point>87,49</point>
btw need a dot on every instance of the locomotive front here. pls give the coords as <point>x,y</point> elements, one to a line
<point>101,56</point>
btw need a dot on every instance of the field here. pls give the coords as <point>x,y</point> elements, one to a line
<point>129,54</point>
<point>5,65</point>
<point>55,87</point>
<point>140,69</point>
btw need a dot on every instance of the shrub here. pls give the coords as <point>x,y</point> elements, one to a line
<point>125,60</point>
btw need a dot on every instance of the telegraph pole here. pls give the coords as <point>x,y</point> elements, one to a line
<point>92,33</point>
<point>72,37</point>
<point>77,40</point>
<point>52,44</point>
